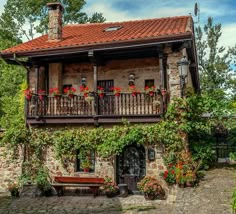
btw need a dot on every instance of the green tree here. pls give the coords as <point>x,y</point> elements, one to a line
<point>214,61</point>
<point>34,15</point>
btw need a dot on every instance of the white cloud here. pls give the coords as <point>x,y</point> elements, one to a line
<point>228,35</point>
<point>111,14</point>
<point>2,3</point>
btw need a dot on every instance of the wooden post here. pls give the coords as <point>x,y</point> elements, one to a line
<point>161,69</point>
<point>36,88</point>
<point>95,77</point>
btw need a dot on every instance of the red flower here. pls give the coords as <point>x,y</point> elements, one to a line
<point>116,91</point>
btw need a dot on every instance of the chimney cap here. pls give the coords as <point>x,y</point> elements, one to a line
<point>55,4</point>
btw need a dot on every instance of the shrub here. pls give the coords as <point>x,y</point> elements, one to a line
<point>151,186</point>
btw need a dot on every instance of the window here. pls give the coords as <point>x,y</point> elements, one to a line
<point>66,86</point>
<point>112,28</point>
<point>149,83</point>
<point>85,162</point>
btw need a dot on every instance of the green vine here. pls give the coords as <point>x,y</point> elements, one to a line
<point>183,117</point>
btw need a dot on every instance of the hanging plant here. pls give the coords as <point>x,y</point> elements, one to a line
<point>70,91</point>
<point>84,90</point>
<point>150,90</point>
<point>100,92</point>
<point>55,92</point>
<point>41,94</point>
<point>134,90</point>
<point>116,91</point>
<point>28,94</point>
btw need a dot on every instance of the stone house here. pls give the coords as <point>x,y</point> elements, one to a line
<point>128,60</point>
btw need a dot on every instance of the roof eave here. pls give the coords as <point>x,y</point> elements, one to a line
<point>99,46</point>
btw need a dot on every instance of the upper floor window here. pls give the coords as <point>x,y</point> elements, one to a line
<point>85,162</point>
<point>149,83</point>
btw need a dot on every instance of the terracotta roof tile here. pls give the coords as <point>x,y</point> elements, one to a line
<point>81,35</point>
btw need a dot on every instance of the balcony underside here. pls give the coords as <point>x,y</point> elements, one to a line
<point>99,119</point>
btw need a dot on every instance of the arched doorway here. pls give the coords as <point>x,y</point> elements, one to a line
<point>131,166</point>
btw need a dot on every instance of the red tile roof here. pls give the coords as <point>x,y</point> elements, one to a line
<point>82,35</point>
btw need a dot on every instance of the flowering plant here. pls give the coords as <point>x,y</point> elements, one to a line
<point>70,91</point>
<point>13,188</point>
<point>84,90</point>
<point>151,186</point>
<point>109,186</point>
<point>100,91</point>
<point>41,94</point>
<point>150,90</point>
<point>116,91</point>
<point>169,174</point>
<point>133,90</point>
<point>28,94</point>
<point>86,164</point>
<point>54,91</point>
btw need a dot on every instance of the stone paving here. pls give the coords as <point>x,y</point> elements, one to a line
<point>213,195</point>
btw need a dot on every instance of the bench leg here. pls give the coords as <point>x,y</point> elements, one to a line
<point>95,191</point>
<point>59,190</point>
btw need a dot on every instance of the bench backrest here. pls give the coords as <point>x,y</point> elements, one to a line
<point>79,180</point>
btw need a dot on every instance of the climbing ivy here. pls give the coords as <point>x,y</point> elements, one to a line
<point>184,116</point>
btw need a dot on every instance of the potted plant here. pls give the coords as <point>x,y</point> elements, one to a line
<point>133,90</point>
<point>100,92</point>
<point>151,188</point>
<point>13,188</point>
<point>149,90</point>
<point>169,175</point>
<point>190,178</point>
<point>84,90</point>
<point>116,91</point>
<point>70,92</point>
<point>54,92</point>
<point>41,94</point>
<point>28,94</point>
<point>42,181</point>
<point>86,164</point>
<point>109,187</point>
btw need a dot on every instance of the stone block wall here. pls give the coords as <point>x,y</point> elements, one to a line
<point>10,169</point>
<point>117,70</point>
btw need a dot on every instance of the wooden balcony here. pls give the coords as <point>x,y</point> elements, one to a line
<point>94,109</point>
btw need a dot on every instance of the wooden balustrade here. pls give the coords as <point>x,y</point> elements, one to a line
<point>124,105</point>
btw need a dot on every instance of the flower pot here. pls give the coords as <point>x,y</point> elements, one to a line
<point>71,96</point>
<point>150,196</point>
<point>111,194</point>
<point>86,169</point>
<point>189,184</point>
<point>28,97</point>
<point>181,185</point>
<point>15,193</point>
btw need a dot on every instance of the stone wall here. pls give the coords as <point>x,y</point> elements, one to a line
<point>117,70</point>
<point>10,169</point>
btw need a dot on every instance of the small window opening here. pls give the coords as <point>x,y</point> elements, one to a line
<point>112,28</point>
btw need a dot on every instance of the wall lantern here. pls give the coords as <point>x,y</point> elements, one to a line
<point>83,81</point>
<point>183,66</point>
<point>131,79</point>
<point>151,154</point>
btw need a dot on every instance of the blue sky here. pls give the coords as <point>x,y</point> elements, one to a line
<point>223,11</point>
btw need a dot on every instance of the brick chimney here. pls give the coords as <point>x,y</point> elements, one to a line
<point>55,11</point>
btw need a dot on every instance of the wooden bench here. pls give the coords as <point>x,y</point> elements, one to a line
<point>72,181</point>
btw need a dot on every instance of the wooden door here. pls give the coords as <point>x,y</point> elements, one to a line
<point>106,104</point>
<point>131,166</point>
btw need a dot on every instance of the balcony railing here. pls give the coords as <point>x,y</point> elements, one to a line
<point>124,105</point>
